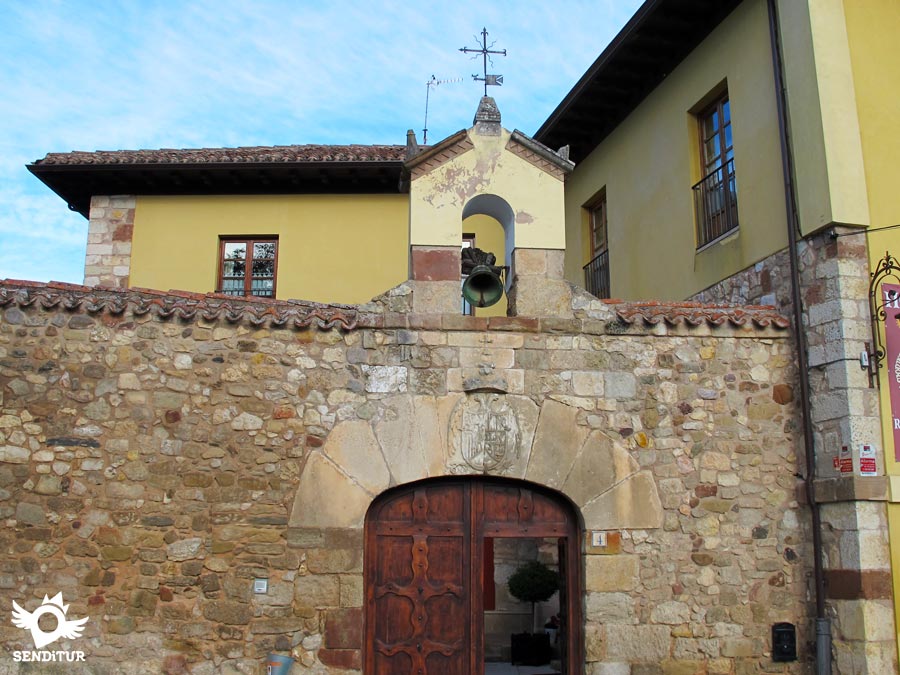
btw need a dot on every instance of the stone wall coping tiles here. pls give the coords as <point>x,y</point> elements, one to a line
<point>184,305</point>
<point>630,317</point>
<point>695,314</point>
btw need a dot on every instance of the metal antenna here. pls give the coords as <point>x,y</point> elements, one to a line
<point>433,82</point>
<point>495,80</point>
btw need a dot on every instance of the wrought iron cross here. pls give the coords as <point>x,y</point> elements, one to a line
<point>485,49</point>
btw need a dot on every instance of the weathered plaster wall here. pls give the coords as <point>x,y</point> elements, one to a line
<point>486,164</point>
<point>157,453</point>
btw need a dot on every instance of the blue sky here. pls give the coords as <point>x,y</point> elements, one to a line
<point>103,75</point>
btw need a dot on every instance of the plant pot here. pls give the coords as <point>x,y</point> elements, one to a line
<point>530,649</point>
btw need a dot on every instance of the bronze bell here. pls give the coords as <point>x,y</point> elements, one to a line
<point>484,286</point>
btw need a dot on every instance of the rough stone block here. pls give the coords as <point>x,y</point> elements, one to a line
<point>317,590</point>
<point>637,644</point>
<point>344,629</point>
<point>228,612</point>
<point>610,608</point>
<point>611,573</point>
<point>435,264</point>
<point>437,297</point>
<point>600,465</point>
<point>529,262</point>
<point>353,447</point>
<point>538,297</point>
<point>343,659</point>
<point>633,503</point>
<point>315,505</point>
<point>557,440</point>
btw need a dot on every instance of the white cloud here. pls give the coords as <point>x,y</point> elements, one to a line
<point>83,75</point>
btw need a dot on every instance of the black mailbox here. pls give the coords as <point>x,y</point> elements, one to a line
<point>784,642</point>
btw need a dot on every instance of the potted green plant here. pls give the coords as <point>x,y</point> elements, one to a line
<point>532,582</point>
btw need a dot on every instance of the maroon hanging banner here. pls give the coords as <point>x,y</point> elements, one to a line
<point>891,296</point>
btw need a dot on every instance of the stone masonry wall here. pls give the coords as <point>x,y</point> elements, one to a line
<point>159,452</point>
<point>768,282</point>
<point>834,276</point>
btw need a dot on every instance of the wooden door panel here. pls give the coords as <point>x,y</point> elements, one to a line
<point>446,505</point>
<point>399,509</point>
<point>418,578</point>
<point>517,511</point>
<point>395,563</point>
<point>504,504</point>
<point>545,510</point>
<point>398,664</point>
<point>438,664</point>
<point>424,570</point>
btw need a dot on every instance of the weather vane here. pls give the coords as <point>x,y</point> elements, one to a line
<point>495,80</point>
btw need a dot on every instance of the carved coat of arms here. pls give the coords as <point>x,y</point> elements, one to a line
<point>484,434</point>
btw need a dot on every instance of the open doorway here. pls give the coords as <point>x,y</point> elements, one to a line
<point>522,614</point>
<point>425,573</point>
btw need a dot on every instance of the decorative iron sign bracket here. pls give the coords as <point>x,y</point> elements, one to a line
<point>873,358</point>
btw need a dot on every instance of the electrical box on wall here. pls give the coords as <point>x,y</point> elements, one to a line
<point>784,642</point>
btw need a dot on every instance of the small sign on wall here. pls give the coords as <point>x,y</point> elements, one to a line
<point>845,460</point>
<point>867,460</point>
<point>603,542</point>
<point>863,464</point>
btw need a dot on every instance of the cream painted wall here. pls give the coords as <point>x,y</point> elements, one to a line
<point>875,54</point>
<point>332,248</point>
<point>873,27</point>
<point>438,197</point>
<point>649,163</point>
<point>875,57</point>
<point>825,127</point>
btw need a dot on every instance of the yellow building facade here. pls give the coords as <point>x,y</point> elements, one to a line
<point>831,176</point>
<point>371,230</point>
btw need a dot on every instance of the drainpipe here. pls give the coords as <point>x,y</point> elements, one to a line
<point>823,624</point>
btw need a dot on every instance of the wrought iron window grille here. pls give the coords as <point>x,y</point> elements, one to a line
<point>715,203</point>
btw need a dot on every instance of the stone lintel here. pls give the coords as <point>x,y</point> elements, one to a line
<point>851,489</point>
<point>858,584</point>
<point>438,263</point>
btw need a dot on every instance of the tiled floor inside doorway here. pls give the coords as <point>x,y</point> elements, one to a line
<point>509,669</point>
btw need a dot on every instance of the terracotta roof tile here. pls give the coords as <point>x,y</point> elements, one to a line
<point>299,314</point>
<point>178,305</point>
<point>695,314</point>
<point>249,155</point>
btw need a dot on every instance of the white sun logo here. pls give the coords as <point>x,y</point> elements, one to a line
<point>64,628</point>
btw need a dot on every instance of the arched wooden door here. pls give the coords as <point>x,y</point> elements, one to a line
<point>424,571</point>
